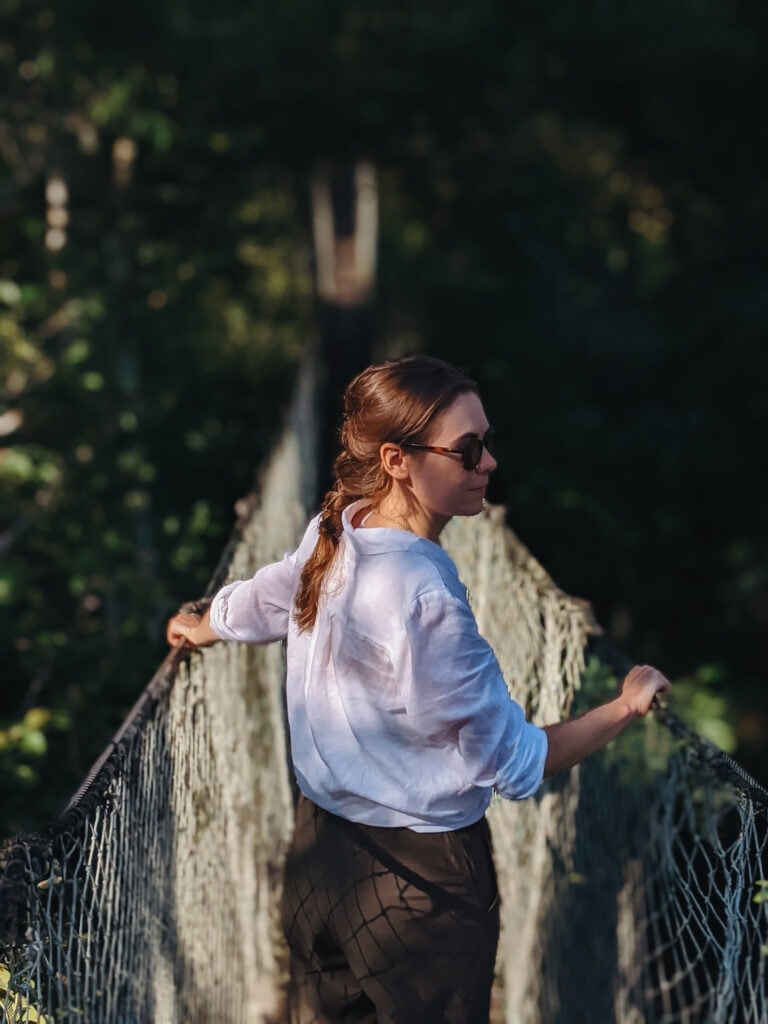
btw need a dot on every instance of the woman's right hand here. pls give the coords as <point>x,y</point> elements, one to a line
<point>189,629</point>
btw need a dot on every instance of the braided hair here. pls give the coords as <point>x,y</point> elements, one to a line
<point>394,401</point>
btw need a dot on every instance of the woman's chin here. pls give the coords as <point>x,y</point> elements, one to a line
<point>476,504</point>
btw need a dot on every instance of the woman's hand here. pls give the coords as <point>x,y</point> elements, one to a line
<point>576,738</point>
<point>640,687</point>
<point>190,629</point>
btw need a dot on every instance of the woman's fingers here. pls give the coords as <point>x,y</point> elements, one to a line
<point>178,632</point>
<point>642,685</point>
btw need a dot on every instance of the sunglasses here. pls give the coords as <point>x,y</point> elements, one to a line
<point>471,450</point>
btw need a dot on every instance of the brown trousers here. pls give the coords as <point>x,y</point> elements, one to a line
<point>388,925</point>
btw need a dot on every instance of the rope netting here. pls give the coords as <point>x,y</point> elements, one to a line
<point>154,898</point>
<point>632,887</point>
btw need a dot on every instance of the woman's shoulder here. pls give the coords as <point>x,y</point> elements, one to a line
<point>419,569</point>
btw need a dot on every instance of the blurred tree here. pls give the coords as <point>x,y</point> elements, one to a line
<point>155,297</point>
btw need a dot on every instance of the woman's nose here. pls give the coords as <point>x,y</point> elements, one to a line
<point>487,462</point>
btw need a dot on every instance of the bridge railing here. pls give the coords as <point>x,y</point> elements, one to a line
<point>633,888</point>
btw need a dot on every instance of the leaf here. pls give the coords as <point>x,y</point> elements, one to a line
<point>33,742</point>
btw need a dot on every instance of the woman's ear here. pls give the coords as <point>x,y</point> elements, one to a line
<point>393,460</point>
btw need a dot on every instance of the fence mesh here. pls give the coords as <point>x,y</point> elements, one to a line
<point>632,888</point>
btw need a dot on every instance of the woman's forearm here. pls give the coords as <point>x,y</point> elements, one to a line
<point>573,740</point>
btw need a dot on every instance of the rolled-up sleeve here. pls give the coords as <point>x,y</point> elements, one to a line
<point>457,694</point>
<point>256,611</point>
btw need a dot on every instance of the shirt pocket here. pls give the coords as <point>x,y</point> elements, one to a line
<point>365,667</point>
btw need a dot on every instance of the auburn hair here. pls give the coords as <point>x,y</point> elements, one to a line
<point>393,401</point>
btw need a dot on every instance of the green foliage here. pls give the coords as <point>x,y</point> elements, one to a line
<point>700,702</point>
<point>24,744</point>
<point>150,345</point>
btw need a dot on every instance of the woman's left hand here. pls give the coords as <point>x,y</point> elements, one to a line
<point>640,687</point>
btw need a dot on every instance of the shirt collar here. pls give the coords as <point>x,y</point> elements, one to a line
<point>381,539</point>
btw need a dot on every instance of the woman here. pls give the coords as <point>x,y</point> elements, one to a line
<point>401,724</point>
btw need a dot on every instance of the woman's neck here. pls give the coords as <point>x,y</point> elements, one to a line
<point>398,516</point>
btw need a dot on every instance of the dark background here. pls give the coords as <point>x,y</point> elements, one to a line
<point>573,206</point>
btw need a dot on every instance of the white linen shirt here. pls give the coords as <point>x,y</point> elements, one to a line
<point>397,708</point>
